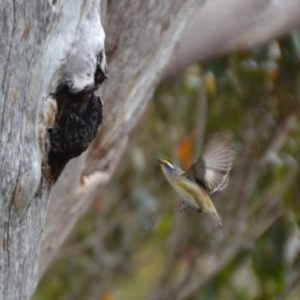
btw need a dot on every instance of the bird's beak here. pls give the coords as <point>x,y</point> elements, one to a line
<point>160,161</point>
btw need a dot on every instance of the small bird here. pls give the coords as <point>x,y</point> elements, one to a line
<point>208,174</point>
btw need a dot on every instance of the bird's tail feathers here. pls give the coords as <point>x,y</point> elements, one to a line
<point>213,212</point>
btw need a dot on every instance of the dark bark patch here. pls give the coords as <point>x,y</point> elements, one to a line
<point>77,120</point>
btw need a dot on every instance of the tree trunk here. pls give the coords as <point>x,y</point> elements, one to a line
<point>46,47</point>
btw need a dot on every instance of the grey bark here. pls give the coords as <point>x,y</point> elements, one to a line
<point>226,26</point>
<point>37,39</point>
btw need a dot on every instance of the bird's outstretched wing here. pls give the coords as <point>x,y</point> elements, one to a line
<point>212,167</point>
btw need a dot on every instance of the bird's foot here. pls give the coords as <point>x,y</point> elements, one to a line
<point>182,207</point>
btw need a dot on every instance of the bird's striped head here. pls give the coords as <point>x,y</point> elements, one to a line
<point>167,164</point>
<point>170,170</point>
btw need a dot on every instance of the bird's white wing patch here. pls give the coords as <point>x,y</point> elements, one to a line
<point>217,158</point>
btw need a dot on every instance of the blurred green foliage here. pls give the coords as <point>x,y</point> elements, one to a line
<point>133,243</point>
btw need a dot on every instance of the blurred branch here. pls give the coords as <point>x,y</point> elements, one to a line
<point>274,192</point>
<point>283,128</point>
<point>229,254</point>
<point>244,186</point>
<point>225,26</point>
<point>201,118</point>
<point>292,286</point>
